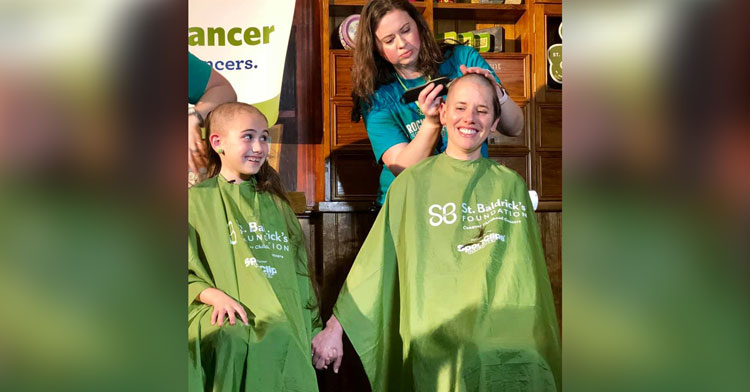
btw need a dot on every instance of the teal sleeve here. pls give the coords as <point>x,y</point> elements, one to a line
<point>199,72</point>
<point>383,130</point>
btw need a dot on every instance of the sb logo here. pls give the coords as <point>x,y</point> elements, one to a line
<point>442,214</point>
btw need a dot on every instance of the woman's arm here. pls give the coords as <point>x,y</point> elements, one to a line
<point>218,91</point>
<point>402,155</point>
<point>511,117</point>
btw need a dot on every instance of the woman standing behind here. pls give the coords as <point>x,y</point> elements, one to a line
<point>395,51</point>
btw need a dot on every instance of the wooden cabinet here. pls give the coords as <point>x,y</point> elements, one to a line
<point>547,124</point>
<point>514,70</point>
<point>516,162</point>
<point>344,132</point>
<point>341,71</point>
<point>352,172</point>
<point>354,175</point>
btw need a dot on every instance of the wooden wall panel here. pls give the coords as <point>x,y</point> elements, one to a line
<point>514,70</point>
<point>518,163</point>
<point>550,228</point>
<point>345,132</point>
<point>341,236</point>
<point>355,175</point>
<point>549,126</point>
<point>299,106</point>
<point>341,75</point>
<point>550,175</point>
<point>522,140</point>
<point>308,228</point>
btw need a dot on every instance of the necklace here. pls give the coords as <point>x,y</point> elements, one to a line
<point>416,105</point>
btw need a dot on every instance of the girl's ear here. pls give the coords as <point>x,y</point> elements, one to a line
<point>215,140</point>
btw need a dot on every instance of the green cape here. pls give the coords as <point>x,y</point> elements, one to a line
<point>450,289</point>
<point>250,246</point>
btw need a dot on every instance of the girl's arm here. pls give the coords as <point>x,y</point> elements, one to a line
<point>224,306</point>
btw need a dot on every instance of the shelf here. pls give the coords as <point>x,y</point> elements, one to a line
<point>417,4</point>
<point>346,206</point>
<point>497,13</point>
<point>349,7</point>
<point>347,2</point>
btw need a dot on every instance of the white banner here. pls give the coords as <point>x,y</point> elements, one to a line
<point>245,41</point>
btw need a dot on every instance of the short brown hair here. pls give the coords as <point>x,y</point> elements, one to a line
<point>370,69</point>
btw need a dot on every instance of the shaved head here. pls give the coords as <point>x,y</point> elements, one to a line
<point>224,114</point>
<point>481,82</point>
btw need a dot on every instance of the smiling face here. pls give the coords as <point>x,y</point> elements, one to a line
<point>469,117</point>
<point>244,140</point>
<point>397,38</point>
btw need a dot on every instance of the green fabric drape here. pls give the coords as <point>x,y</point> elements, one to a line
<point>250,246</point>
<point>450,291</point>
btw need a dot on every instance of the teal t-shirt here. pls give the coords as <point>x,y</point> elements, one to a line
<point>198,74</point>
<point>390,122</point>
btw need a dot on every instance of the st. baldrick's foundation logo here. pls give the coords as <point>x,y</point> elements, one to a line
<point>479,214</point>
<point>442,214</point>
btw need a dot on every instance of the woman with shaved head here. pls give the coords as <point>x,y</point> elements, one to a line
<point>450,290</point>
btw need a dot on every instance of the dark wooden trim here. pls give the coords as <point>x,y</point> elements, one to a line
<point>549,206</point>
<point>346,206</point>
<point>309,119</point>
